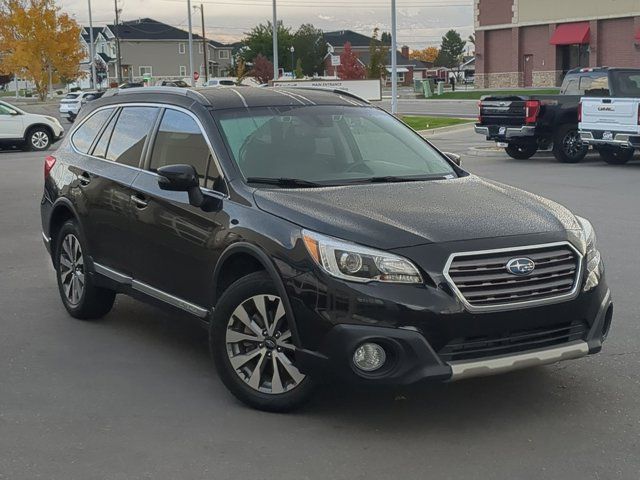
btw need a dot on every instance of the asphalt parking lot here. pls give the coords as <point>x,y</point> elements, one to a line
<point>134,396</point>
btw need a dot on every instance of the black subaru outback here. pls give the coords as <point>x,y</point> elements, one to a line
<point>313,233</point>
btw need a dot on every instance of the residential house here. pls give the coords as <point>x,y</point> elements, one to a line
<point>408,70</point>
<point>155,50</point>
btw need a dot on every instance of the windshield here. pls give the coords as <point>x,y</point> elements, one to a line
<point>71,96</point>
<point>181,84</point>
<point>328,144</point>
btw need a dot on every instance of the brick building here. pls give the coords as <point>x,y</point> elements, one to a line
<point>522,43</point>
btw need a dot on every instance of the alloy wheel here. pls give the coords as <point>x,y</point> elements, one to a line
<point>39,139</point>
<point>259,346</point>
<point>72,269</point>
<point>572,144</point>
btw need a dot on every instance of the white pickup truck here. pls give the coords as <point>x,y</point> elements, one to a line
<point>612,125</point>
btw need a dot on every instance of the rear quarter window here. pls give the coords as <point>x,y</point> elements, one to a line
<point>84,136</point>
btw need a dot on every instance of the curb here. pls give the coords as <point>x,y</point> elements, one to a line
<point>441,130</point>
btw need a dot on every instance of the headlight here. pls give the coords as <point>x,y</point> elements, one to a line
<point>357,263</point>
<point>594,259</point>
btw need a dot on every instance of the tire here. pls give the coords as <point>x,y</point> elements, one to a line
<point>616,156</point>
<point>38,139</point>
<point>255,360</point>
<point>567,145</point>
<point>521,152</point>
<point>80,296</point>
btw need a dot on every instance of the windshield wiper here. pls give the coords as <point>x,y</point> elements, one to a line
<point>398,179</point>
<point>285,182</point>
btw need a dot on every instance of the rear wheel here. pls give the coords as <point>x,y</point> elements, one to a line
<point>252,347</point>
<point>568,146</point>
<point>616,156</point>
<point>521,152</point>
<point>80,296</point>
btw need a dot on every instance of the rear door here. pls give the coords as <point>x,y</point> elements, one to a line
<point>174,249</point>
<point>113,162</point>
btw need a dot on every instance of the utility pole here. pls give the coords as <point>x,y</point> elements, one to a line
<point>204,45</point>
<point>118,57</point>
<point>394,61</point>
<point>275,42</point>
<point>191,70</point>
<point>92,53</point>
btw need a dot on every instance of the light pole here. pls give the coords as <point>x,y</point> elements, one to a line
<point>292,50</point>
<point>92,53</point>
<point>394,66</point>
<point>275,42</point>
<point>190,44</point>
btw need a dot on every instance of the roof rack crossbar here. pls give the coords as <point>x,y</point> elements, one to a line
<point>332,90</point>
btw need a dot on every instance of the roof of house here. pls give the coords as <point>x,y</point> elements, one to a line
<point>150,29</point>
<point>365,57</point>
<point>340,37</point>
<point>86,33</point>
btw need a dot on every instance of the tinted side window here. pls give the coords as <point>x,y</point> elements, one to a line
<point>84,136</point>
<point>130,133</point>
<point>100,150</point>
<point>180,140</point>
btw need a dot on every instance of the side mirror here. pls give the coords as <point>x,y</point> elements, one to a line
<point>454,157</point>
<point>181,178</point>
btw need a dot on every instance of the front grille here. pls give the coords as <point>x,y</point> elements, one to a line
<point>513,342</point>
<point>483,281</point>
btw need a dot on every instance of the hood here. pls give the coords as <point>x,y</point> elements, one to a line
<point>395,215</point>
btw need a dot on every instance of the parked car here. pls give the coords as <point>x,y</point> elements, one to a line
<point>126,85</point>
<point>27,130</point>
<point>612,125</point>
<point>72,102</point>
<point>172,83</point>
<point>221,82</point>
<point>87,97</point>
<point>314,234</point>
<point>525,124</point>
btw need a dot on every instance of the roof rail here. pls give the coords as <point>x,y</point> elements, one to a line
<point>186,92</point>
<point>331,90</point>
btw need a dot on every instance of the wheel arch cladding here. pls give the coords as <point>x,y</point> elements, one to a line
<point>248,258</point>
<point>62,212</point>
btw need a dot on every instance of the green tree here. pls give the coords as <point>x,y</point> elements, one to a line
<point>451,50</point>
<point>385,38</point>
<point>310,48</point>
<point>259,41</point>
<point>299,73</point>
<point>378,56</point>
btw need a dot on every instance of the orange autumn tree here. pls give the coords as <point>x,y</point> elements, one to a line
<point>428,54</point>
<point>36,39</point>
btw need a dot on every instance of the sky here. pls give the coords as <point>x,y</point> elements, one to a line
<point>421,23</point>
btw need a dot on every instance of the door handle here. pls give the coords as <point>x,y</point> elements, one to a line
<point>140,203</point>
<point>85,179</point>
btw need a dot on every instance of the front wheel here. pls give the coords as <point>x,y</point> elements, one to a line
<point>252,348</point>
<point>521,152</point>
<point>568,147</point>
<point>38,139</point>
<point>616,156</point>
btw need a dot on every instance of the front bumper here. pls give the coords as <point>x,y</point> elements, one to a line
<point>503,133</point>
<point>620,140</point>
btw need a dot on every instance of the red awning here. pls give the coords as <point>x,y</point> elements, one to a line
<point>571,34</point>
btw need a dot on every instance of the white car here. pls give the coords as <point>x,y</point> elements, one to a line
<point>71,104</point>
<point>27,130</point>
<point>221,82</point>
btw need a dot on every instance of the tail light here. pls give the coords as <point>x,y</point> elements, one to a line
<point>479,112</point>
<point>49,162</point>
<point>579,112</point>
<point>638,114</point>
<point>532,110</point>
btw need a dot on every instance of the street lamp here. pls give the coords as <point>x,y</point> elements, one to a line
<point>292,50</point>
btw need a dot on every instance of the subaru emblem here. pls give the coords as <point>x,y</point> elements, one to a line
<point>521,266</point>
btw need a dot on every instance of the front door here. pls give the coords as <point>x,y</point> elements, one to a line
<point>528,70</point>
<point>11,123</point>
<point>174,245</point>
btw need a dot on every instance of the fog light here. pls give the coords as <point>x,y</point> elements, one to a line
<point>369,357</point>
